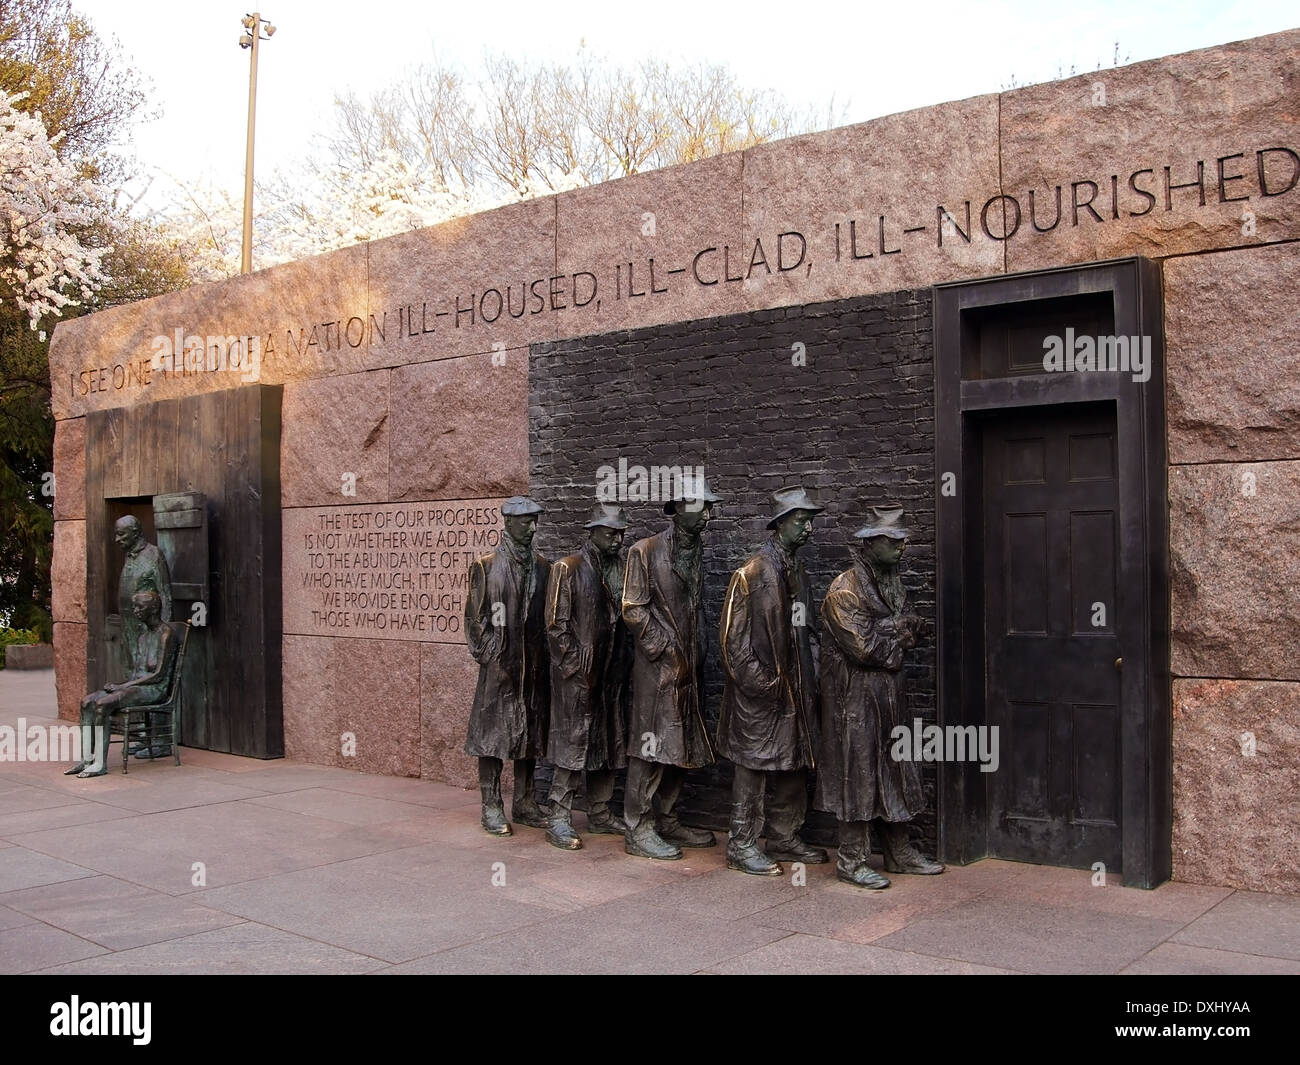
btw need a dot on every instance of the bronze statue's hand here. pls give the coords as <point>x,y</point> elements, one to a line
<point>110,687</point>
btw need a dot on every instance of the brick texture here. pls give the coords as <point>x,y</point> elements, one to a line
<point>854,423</point>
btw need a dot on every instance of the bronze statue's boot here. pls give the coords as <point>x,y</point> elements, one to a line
<point>644,842</point>
<point>525,809</point>
<point>489,785</point>
<point>796,850</point>
<point>851,861</point>
<point>529,812</point>
<point>901,855</point>
<point>494,814</point>
<point>861,876</point>
<point>560,832</point>
<point>603,821</point>
<point>680,835</point>
<point>75,770</point>
<point>742,842</point>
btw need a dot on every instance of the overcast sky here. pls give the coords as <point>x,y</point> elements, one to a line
<point>877,58</point>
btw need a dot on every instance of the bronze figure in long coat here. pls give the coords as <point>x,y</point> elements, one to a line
<point>862,699</point>
<point>590,654</point>
<point>590,659</point>
<point>666,735</point>
<point>512,700</point>
<point>664,610</point>
<point>768,697</point>
<point>868,629</point>
<point>505,630</point>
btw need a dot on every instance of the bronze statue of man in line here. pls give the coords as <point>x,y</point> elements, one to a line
<point>664,609</point>
<point>869,628</point>
<point>590,660</point>
<point>505,629</point>
<point>769,693</point>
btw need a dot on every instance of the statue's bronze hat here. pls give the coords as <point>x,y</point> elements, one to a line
<point>608,516</point>
<point>691,489</point>
<point>520,506</point>
<point>885,521</point>
<point>788,500</point>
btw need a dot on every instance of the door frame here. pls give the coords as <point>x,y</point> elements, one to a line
<point>1142,612</point>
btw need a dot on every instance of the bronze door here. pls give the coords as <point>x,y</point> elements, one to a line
<point>1052,670</point>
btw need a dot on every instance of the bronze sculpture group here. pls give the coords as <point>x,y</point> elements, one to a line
<point>144,601</point>
<point>598,663</point>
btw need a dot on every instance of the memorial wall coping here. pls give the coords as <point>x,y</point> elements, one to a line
<point>930,193</point>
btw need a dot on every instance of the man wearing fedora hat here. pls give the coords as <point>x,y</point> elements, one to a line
<point>768,697</point>
<point>590,658</point>
<point>664,610</point>
<point>505,629</point>
<point>870,628</point>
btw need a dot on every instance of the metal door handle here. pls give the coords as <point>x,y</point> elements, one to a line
<point>1119,665</point>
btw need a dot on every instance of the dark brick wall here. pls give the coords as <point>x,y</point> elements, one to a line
<point>855,426</point>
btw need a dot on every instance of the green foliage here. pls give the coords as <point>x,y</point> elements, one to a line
<point>88,93</point>
<point>26,445</point>
<point>18,636</point>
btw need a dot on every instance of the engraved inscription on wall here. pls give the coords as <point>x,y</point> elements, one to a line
<point>386,571</point>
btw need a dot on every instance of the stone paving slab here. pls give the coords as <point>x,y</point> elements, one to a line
<point>841,911</point>
<point>11,918</point>
<point>235,841</point>
<point>23,868</point>
<point>27,693</point>
<point>314,869</point>
<point>624,936</point>
<point>65,815</point>
<point>387,917</point>
<point>345,806</point>
<point>801,953</point>
<point>36,946</point>
<point>1032,937</point>
<point>243,948</point>
<point>114,913</point>
<point>1247,922</point>
<point>1171,959</point>
<point>23,798</point>
<point>1074,887</point>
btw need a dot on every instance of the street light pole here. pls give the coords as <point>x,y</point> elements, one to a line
<point>253,34</point>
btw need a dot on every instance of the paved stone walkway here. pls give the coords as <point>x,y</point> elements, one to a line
<point>308,869</point>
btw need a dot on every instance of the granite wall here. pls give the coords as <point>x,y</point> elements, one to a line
<point>1233,400</point>
<point>405,363</point>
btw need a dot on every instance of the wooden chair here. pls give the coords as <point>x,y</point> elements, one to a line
<point>140,724</point>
